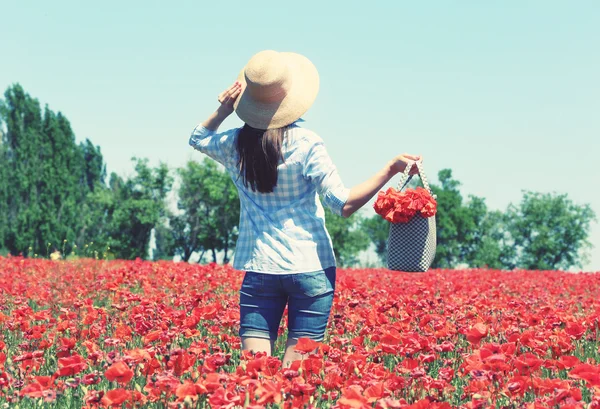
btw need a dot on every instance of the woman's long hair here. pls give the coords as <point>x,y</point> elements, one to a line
<point>259,153</point>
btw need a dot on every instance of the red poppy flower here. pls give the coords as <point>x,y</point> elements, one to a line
<point>119,372</point>
<point>224,398</point>
<point>306,345</point>
<point>477,332</point>
<point>569,361</point>
<point>575,329</point>
<point>186,389</point>
<point>269,392</point>
<point>590,373</point>
<point>71,365</point>
<point>182,361</point>
<point>352,398</point>
<point>527,363</point>
<point>91,379</point>
<point>115,397</point>
<point>38,387</point>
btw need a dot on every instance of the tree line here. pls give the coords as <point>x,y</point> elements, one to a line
<point>55,194</point>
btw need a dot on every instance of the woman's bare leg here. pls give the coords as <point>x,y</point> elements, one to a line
<point>291,354</point>
<point>258,345</point>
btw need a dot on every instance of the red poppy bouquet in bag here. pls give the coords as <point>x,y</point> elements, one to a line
<point>411,212</point>
<point>400,207</point>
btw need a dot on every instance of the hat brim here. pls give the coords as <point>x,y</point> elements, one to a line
<point>301,95</point>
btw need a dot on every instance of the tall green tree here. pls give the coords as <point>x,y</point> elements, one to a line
<point>347,236</point>
<point>121,216</point>
<point>53,193</point>
<point>454,222</point>
<point>488,244</point>
<point>549,231</point>
<point>164,242</point>
<point>94,169</point>
<point>377,229</point>
<point>209,211</point>
<point>134,207</point>
<point>23,136</point>
<point>467,233</point>
<point>50,176</point>
<point>3,193</point>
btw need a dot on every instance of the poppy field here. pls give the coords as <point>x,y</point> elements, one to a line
<point>94,333</point>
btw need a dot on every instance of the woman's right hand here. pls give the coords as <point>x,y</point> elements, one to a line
<point>400,162</point>
<point>362,193</point>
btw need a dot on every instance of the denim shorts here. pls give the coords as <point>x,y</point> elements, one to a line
<point>263,298</point>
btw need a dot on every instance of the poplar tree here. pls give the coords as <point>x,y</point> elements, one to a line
<point>46,177</point>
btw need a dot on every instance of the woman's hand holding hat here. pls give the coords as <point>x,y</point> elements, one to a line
<point>227,98</point>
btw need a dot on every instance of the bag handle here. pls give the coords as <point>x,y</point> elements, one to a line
<point>406,178</point>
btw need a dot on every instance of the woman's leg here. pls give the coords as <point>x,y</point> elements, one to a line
<point>262,302</point>
<point>291,354</point>
<point>310,300</point>
<point>258,345</point>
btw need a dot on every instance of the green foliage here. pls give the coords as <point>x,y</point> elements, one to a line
<point>454,222</point>
<point>210,212</point>
<point>134,207</point>
<point>548,231</point>
<point>490,246</point>
<point>3,192</point>
<point>53,196</point>
<point>467,233</point>
<point>347,237</point>
<point>377,229</point>
<point>164,243</point>
<point>48,173</point>
<point>544,232</point>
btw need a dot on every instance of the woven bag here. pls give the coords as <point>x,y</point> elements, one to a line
<point>412,245</point>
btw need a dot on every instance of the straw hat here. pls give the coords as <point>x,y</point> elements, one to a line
<point>277,89</point>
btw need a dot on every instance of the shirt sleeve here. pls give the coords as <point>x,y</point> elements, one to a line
<point>322,173</point>
<point>219,146</point>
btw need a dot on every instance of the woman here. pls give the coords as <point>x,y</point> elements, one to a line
<point>280,170</point>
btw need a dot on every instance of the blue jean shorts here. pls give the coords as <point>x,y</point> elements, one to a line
<point>263,298</point>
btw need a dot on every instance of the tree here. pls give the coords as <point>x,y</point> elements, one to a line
<point>488,244</point>
<point>454,222</point>
<point>548,231</point>
<point>347,237</point>
<point>53,193</point>
<point>134,208</point>
<point>22,117</point>
<point>48,173</point>
<point>210,212</point>
<point>120,217</point>
<point>94,168</point>
<point>377,229</point>
<point>98,210</point>
<point>466,232</point>
<point>164,243</point>
<point>3,193</point>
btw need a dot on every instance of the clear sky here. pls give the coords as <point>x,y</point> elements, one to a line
<point>506,94</point>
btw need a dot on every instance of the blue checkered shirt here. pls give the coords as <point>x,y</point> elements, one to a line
<point>284,231</point>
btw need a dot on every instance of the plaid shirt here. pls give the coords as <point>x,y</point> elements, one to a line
<point>284,231</point>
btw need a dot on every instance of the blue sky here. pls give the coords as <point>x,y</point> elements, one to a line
<point>506,94</point>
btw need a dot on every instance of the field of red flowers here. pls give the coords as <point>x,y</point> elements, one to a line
<point>92,333</point>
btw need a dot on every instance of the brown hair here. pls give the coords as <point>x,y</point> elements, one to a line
<point>259,153</point>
